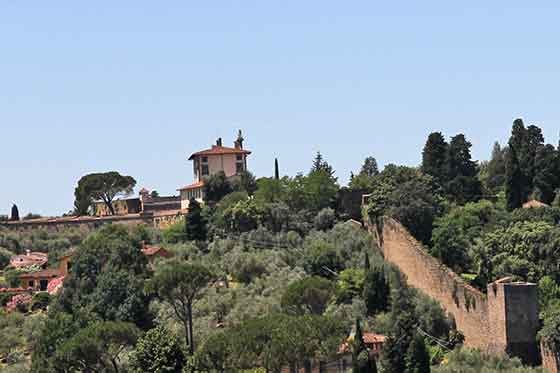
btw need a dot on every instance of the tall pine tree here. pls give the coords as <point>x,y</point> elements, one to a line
<point>319,164</point>
<point>369,168</point>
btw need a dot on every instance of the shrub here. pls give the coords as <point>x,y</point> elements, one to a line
<point>158,351</point>
<point>40,301</point>
<point>5,256</point>
<point>12,278</point>
<point>175,233</point>
<point>473,361</point>
<point>325,219</point>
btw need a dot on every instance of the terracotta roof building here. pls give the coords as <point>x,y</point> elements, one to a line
<point>534,204</point>
<point>29,259</point>
<point>155,251</point>
<point>218,158</point>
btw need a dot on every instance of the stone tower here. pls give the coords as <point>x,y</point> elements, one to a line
<point>513,319</point>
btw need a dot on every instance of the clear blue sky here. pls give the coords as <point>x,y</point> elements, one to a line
<point>136,87</point>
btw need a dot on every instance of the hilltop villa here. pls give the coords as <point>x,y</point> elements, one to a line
<point>232,161</point>
<point>149,208</point>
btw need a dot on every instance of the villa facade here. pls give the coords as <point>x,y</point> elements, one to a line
<point>208,162</point>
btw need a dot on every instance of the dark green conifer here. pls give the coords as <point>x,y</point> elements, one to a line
<point>15,213</point>
<point>376,291</point>
<point>464,185</point>
<point>514,185</point>
<point>362,362</point>
<point>404,322</point>
<point>276,169</point>
<point>417,357</point>
<point>434,158</point>
<point>195,225</point>
<point>546,173</point>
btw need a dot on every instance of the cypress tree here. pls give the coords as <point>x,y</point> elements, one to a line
<point>417,357</point>
<point>516,185</point>
<point>276,169</point>
<point>546,176</point>
<point>376,291</point>
<point>404,322</point>
<point>362,362</point>
<point>15,213</point>
<point>366,263</point>
<point>496,168</point>
<point>434,158</point>
<point>534,140</point>
<point>514,181</point>
<point>464,185</point>
<point>195,225</point>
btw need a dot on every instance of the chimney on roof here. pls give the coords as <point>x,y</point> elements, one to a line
<point>239,142</point>
<point>219,141</point>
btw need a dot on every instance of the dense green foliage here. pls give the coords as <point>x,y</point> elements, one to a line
<point>195,228</point>
<point>158,351</point>
<point>272,342</point>
<point>472,361</point>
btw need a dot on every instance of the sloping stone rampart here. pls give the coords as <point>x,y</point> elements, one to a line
<point>468,306</point>
<point>505,320</point>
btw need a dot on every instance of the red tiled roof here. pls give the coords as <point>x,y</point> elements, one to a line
<point>26,260</point>
<point>154,250</point>
<point>534,204</point>
<point>218,150</point>
<point>75,219</point>
<point>193,186</point>
<point>12,290</point>
<point>42,274</point>
<point>370,338</point>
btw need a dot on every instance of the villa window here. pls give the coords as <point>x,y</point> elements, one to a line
<point>239,157</point>
<point>239,167</point>
<point>205,170</point>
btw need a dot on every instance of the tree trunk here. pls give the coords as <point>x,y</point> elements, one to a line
<point>111,208</point>
<point>307,366</point>
<point>191,339</point>
<point>115,365</point>
<point>187,328</point>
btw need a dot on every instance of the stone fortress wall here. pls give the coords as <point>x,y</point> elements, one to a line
<point>503,320</point>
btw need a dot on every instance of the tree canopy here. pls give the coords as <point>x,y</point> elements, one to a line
<point>101,187</point>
